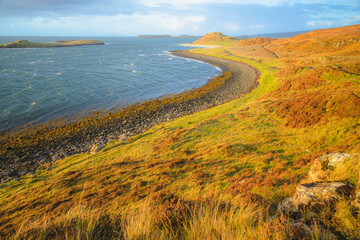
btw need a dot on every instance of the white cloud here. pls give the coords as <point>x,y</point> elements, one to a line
<point>232,27</point>
<point>257,26</point>
<point>135,24</point>
<point>185,3</point>
<point>328,23</point>
<point>320,23</point>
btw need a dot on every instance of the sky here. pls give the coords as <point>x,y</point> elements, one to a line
<point>174,17</point>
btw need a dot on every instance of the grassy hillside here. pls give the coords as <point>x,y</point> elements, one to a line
<point>71,43</point>
<point>217,38</point>
<point>216,174</point>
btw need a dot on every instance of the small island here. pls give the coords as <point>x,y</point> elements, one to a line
<point>70,43</point>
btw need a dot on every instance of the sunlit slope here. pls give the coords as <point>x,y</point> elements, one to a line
<point>335,41</point>
<point>222,170</point>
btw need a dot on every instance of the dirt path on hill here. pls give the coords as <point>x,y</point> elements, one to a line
<point>24,152</point>
<point>274,54</point>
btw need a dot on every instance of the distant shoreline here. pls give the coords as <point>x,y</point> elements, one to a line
<point>71,43</point>
<point>27,150</point>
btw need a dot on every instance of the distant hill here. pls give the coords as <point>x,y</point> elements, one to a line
<point>167,36</point>
<point>274,35</point>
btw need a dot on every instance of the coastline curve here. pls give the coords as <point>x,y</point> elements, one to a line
<point>26,150</point>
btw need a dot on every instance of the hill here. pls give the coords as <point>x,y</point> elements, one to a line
<point>71,43</point>
<point>336,41</point>
<point>273,35</point>
<point>216,38</point>
<point>219,173</point>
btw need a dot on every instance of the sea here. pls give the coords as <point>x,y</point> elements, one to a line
<point>41,84</point>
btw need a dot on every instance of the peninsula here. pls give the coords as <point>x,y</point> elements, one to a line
<point>70,43</point>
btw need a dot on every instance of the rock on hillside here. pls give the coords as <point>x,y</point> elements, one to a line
<point>323,165</point>
<point>321,191</point>
<point>312,196</point>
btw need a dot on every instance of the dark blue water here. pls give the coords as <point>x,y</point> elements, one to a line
<point>40,84</point>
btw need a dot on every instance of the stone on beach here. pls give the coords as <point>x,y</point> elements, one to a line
<point>96,148</point>
<point>123,138</point>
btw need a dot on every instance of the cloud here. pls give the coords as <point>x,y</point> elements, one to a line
<point>321,23</point>
<point>186,3</point>
<point>66,7</point>
<point>132,17</point>
<point>120,25</point>
<point>332,23</point>
<point>232,27</point>
<point>257,26</point>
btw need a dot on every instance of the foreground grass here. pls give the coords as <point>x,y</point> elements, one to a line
<point>216,174</point>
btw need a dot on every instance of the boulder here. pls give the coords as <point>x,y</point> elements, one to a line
<point>95,148</point>
<point>324,164</point>
<point>313,196</point>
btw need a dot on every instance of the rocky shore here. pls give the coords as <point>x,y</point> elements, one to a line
<point>25,151</point>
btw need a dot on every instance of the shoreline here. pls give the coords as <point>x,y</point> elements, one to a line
<point>27,150</point>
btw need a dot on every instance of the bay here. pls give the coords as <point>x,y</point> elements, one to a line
<point>40,84</point>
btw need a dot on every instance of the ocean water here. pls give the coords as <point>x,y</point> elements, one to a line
<point>40,84</point>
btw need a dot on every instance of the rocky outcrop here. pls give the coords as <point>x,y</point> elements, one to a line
<point>320,191</point>
<point>323,165</point>
<point>305,208</point>
<point>312,196</point>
